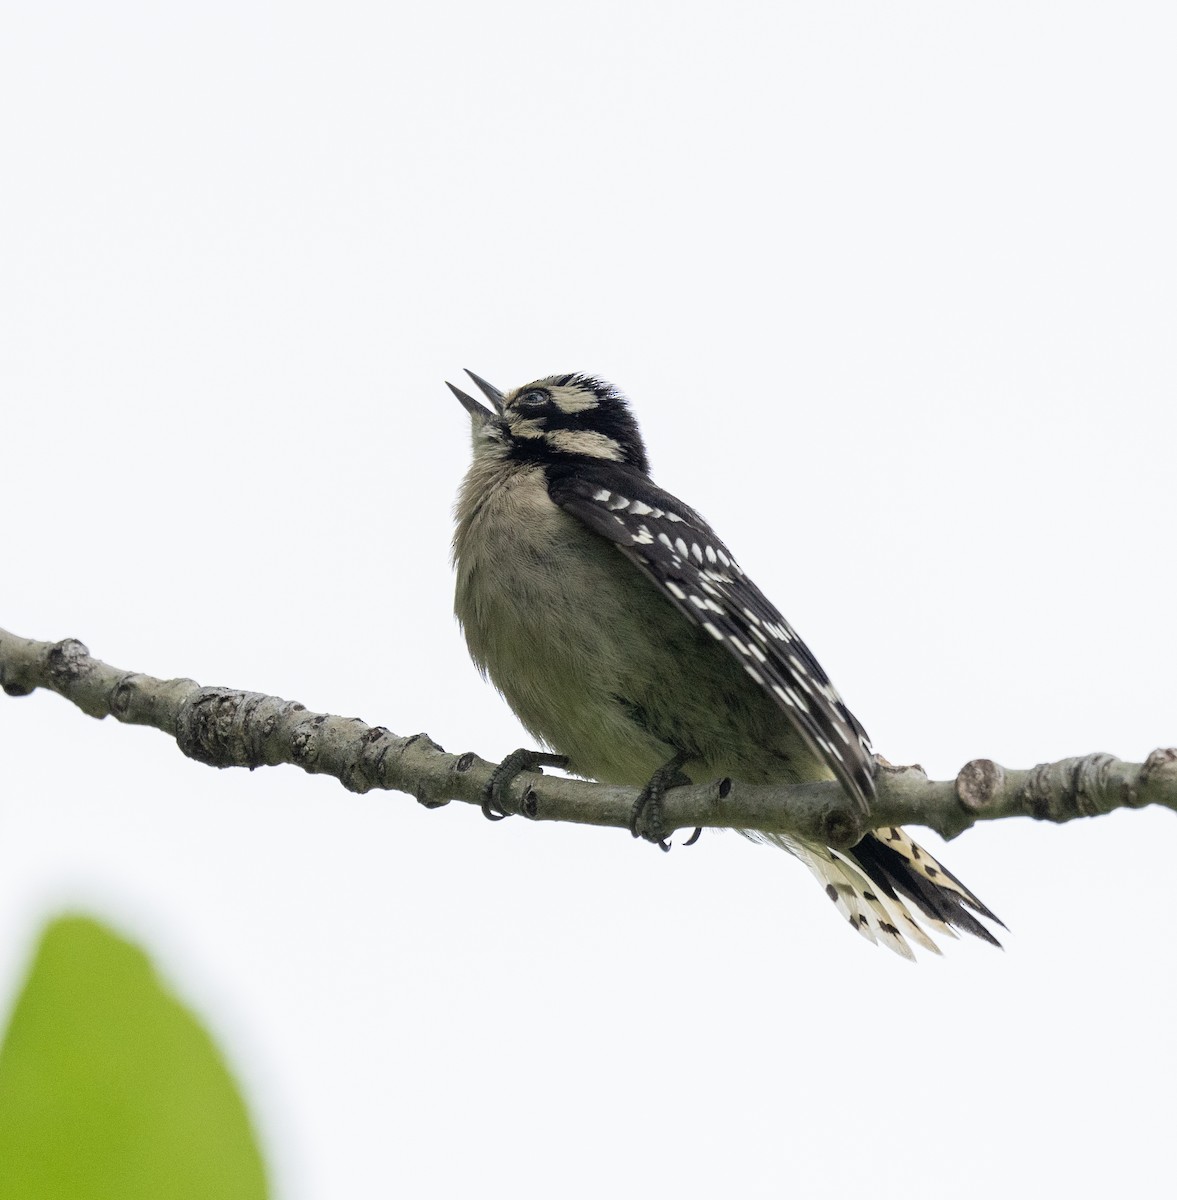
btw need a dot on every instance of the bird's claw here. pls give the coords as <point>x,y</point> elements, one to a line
<point>645,818</point>
<point>500,779</point>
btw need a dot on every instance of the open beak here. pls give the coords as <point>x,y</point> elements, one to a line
<point>472,406</point>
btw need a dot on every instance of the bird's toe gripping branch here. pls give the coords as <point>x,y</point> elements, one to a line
<point>514,764</point>
<point>645,818</point>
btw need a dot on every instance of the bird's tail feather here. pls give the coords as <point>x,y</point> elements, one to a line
<point>873,883</point>
<point>893,861</point>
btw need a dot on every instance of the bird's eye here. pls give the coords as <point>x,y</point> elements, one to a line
<point>532,398</point>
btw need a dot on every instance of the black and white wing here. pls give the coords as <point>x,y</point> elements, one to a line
<point>676,548</point>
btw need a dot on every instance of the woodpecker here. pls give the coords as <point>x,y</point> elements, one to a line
<point>627,639</point>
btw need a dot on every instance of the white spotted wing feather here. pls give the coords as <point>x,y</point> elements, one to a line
<point>693,568</point>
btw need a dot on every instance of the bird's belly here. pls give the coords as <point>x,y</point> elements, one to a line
<point>600,666</point>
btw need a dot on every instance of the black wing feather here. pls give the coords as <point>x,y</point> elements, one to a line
<point>677,549</point>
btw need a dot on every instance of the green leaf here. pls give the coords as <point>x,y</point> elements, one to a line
<point>110,1087</point>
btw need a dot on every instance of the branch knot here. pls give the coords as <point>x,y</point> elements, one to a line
<point>979,783</point>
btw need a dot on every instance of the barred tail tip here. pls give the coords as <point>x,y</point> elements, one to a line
<point>889,889</point>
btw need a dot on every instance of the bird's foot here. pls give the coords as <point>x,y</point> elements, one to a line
<point>645,818</point>
<point>500,779</point>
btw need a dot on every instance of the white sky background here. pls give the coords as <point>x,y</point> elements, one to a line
<point>894,290</point>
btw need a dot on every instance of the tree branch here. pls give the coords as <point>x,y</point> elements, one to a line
<point>223,727</point>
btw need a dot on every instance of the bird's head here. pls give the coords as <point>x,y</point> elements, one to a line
<point>556,419</point>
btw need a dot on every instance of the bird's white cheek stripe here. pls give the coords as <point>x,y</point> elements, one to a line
<point>584,441</point>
